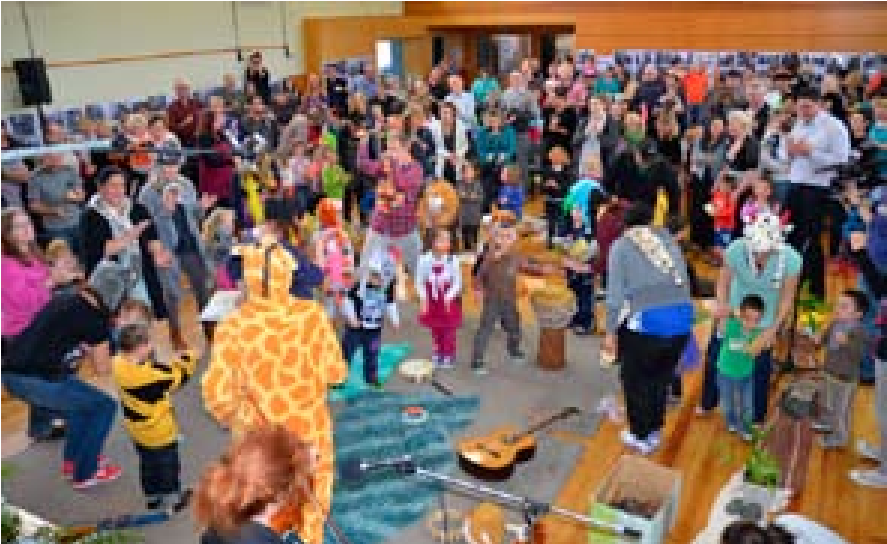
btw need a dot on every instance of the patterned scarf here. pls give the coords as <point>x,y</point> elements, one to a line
<point>130,257</point>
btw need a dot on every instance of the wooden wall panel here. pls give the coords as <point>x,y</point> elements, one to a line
<point>698,25</point>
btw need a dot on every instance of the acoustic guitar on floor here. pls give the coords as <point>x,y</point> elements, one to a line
<point>493,457</point>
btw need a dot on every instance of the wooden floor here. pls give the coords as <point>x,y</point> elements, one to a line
<point>701,449</point>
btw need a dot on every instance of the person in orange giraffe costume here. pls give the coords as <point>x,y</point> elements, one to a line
<point>273,359</point>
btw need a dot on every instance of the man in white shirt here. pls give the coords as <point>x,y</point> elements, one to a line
<point>463,100</point>
<point>817,141</point>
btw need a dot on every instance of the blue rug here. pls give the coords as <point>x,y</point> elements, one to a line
<point>369,426</point>
<point>390,355</point>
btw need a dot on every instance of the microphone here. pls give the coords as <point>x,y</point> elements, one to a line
<point>355,469</point>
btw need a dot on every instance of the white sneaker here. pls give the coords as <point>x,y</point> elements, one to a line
<point>635,443</point>
<point>869,478</point>
<point>731,428</point>
<point>867,450</point>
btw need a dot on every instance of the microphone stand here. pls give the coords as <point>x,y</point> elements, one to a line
<point>531,509</point>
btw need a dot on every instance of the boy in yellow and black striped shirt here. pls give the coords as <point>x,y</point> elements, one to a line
<point>148,415</point>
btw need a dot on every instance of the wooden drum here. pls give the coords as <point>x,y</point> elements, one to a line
<point>554,306</point>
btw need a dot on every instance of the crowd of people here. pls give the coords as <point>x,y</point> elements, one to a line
<point>739,166</point>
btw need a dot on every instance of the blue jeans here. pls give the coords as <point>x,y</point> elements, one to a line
<point>737,400</point>
<point>371,342</point>
<point>89,413</point>
<point>582,286</point>
<point>867,365</point>
<point>760,379</point>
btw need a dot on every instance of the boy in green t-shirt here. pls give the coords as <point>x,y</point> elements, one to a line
<point>736,364</point>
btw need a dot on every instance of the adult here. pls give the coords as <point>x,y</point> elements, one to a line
<point>337,88</point>
<point>756,92</point>
<point>437,88</point>
<point>176,219</point>
<point>708,157</point>
<point>817,141</point>
<point>314,98</point>
<point>650,89</point>
<point>463,100</point>
<point>560,123</point>
<point>451,143</point>
<point>56,195</point>
<point>587,142</point>
<point>640,172</point>
<point>257,73</point>
<point>365,82</point>
<point>395,223</point>
<point>484,87</point>
<point>743,149</point>
<point>40,368</point>
<point>15,175</point>
<point>183,114</point>
<point>231,95</point>
<point>272,469</point>
<point>835,101</point>
<point>273,359</point>
<point>521,109</point>
<point>27,287</point>
<point>496,147</point>
<point>611,138</point>
<point>695,84</point>
<point>257,120</point>
<point>118,234</point>
<point>422,148</point>
<point>216,170</point>
<point>761,264</point>
<point>159,137</point>
<point>649,321</point>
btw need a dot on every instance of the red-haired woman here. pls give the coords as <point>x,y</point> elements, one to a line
<point>265,476</point>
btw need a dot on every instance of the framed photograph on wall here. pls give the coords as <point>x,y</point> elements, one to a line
<point>25,127</point>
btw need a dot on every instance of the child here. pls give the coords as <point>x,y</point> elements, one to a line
<point>496,274</point>
<point>722,208</point>
<point>145,388</point>
<point>845,342</point>
<point>334,178</point>
<point>218,237</point>
<point>761,200</point>
<point>364,309</point>
<point>439,284</point>
<point>471,202</point>
<point>736,365</point>
<point>334,254</point>
<point>511,191</point>
<point>580,277</point>
<point>65,271</point>
<point>556,180</point>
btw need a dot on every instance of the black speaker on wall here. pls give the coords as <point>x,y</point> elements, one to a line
<point>32,81</point>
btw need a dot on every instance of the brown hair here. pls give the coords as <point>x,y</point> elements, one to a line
<point>266,466</point>
<point>134,336</point>
<point>8,245</point>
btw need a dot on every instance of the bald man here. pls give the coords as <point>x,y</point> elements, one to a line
<point>183,114</point>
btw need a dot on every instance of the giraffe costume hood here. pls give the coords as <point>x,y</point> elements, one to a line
<point>273,359</point>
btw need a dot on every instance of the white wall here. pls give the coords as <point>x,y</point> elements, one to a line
<point>84,31</point>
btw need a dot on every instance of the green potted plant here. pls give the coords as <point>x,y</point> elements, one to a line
<point>762,473</point>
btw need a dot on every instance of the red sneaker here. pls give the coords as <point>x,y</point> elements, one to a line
<point>107,473</point>
<point>68,466</point>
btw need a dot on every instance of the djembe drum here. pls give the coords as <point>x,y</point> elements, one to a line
<point>554,306</point>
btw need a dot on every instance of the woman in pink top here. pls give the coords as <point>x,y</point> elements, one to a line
<point>24,274</point>
<point>26,289</point>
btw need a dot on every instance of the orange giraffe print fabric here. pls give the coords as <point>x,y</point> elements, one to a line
<point>273,359</point>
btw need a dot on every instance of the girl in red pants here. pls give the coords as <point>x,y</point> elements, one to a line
<point>439,284</point>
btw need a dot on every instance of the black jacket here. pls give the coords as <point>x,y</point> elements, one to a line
<point>250,533</point>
